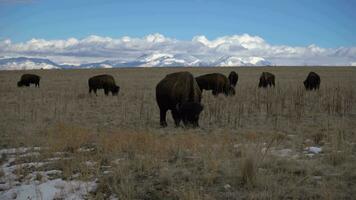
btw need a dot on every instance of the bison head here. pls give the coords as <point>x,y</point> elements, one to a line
<point>306,84</point>
<point>231,91</point>
<point>19,84</point>
<point>115,90</point>
<point>263,83</point>
<point>189,113</point>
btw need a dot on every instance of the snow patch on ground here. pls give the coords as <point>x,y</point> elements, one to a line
<point>18,150</point>
<point>52,189</point>
<point>282,152</point>
<point>313,150</point>
<point>37,184</point>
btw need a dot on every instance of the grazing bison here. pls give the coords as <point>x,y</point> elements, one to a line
<point>180,93</point>
<point>312,82</point>
<point>105,82</point>
<point>27,79</point>
<point>216,82</point>
<point>233,78</point>
<point>266,79</point>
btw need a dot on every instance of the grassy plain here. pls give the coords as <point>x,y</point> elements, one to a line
<point>250,146</point>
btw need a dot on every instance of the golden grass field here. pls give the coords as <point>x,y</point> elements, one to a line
<point>250,146</point>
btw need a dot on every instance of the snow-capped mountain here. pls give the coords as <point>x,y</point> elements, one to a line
<point>149,60</point>
<point>146,60</point>
<point>27,63</point>
<point>167,60</point>
<point>244,61</point>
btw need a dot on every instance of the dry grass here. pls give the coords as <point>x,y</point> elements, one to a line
<point>234,155</point>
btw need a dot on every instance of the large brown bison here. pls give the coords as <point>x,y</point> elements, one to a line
<point>233,78</point>
<point>216,82</point>
<point>312,82</point>
<point>105,82</point>
<point>27,79</point>
<point>266,79</point>
<point>180,93</point>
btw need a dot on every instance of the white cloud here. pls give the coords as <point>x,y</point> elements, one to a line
<point>233,49</point>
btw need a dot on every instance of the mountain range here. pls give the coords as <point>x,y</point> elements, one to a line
<point>146,60</point>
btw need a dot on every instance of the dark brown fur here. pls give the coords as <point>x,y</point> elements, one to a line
<point>28,79</point>
<point>105,82</point>
<point>179,93</point>
<point>233,78</point>
<point>216,82</point>
<point>266,79</point>
<point>312,82</point>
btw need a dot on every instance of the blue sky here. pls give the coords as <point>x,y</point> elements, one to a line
<point>326,23</point>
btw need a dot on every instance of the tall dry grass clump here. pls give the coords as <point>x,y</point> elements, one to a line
<point>248,169</point>
<point>68,138</point>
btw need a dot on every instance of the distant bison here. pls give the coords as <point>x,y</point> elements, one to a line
<point>105,82</point>
<point>180,93</point>
<point>266,79</point>
<point>216,82</point>
<point>233,78</point>
<point>312,82</point>
<point>28,79</point>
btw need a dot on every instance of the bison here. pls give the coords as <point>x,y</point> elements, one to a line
<point>312,82</point>
<point>27,79</point>
<point>180,93</point>
<point>266,79</point>
<point>105,82</point>
<point>216,82</point>
<point>233,78</point>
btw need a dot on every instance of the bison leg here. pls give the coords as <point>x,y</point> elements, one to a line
<point>95,91</point>
<point>176,117</point>
<point>215,93</point>
<point>163,117</point>
<point>106,91</point>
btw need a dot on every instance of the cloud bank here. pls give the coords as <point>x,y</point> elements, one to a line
<point>226,50</point>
